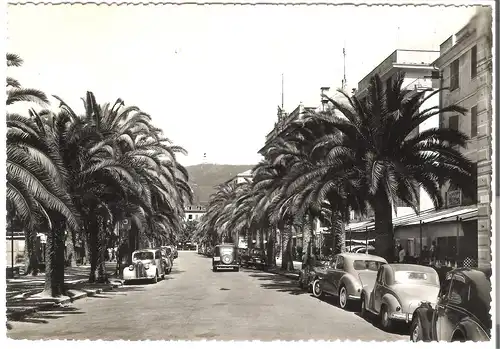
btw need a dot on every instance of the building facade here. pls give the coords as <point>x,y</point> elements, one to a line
<point>243,177</point>
<point>465,66</point>
<point>194,212</point>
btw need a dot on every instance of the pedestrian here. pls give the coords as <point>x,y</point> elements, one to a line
<point>402,254</point>
<point>424,258</point>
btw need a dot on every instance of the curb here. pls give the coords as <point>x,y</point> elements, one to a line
<point>289,275</point>
<point>85,292</point>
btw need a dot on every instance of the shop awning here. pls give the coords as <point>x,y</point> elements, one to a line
<point>447,215</point>
<point>464,213</point>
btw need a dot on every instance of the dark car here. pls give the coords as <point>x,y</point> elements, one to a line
<point>225,257</point>
<point>242,254</point>
<point>256,257</point>
<point>462,311</point>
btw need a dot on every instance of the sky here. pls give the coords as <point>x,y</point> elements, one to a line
<point>210,76</point>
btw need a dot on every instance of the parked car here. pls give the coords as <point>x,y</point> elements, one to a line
<point>256,258</point>
<point>166,255</point>
<point>346,275</point>
<point>308,274</point>
<point>363,249</point>
<point>242,252</point>
<point>147,264</point>
<point>398,291</point>
<point>225,257</point>
<point>462,310</point>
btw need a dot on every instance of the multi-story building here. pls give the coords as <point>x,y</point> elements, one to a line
<point>194,212</point>
<point>465,66</point>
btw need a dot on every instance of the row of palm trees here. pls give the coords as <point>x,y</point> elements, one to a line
<point>76,177</point>
<point>357,155</point>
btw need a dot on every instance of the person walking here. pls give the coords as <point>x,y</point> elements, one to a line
<point>402,254</point>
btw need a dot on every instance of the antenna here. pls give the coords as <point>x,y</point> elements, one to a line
<point>282,90</point>
<point>344,80</point>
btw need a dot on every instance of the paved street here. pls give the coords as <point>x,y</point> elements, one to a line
<point>194,303</point>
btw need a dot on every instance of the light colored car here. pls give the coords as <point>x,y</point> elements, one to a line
<point>147,264</point>
<point>398,290</point>
<point>346,275</point>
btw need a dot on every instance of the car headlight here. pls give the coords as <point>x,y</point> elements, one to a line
<point>146,266</point>
<point>131,267</point>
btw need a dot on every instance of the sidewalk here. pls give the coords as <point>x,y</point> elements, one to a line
<point>292,275</point>
<point>22,293</point>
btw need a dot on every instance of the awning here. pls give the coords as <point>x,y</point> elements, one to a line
<point>464,213</point>
<point>447,215</point>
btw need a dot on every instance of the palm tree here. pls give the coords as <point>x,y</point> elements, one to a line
<point>378,134</point>
<point>15,93</point>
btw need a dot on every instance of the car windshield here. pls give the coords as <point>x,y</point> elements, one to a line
<point>138,256</point>
<point>367,265</point>
<point>415,277</point>
<point>226,250</point>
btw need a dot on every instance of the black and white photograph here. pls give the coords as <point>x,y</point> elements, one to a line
<point>251,171</point>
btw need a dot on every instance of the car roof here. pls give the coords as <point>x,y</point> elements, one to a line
<point>367,256</point>
<point>477,276</point>
<point>147,250</point>
<point>225,245</point>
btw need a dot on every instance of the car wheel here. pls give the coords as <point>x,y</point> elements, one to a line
<point>214,269</point>
<point>363,308</point>
<point>385,322</point>
<point>343,301</point>
<point>316,289</point>
<point>237,269</point>
<point>155,279</point>
<point>416,334</point>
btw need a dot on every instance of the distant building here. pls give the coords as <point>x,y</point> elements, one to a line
<point>194,212</point>
<point>284,119</point>
<point>243,177</point>
<point>465,66</point>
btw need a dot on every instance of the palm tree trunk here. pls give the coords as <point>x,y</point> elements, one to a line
<point>338,232</point>
<point>54,259</point>
<point>271,261</point>
<point>307,240</point>
<point>102,276</point>
<point>30,255</point>
<point>287,249</point>
<point>261,238</point>
<point>383,226</point>
<point>71,257</point>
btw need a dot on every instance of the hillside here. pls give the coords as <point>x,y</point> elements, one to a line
<point>204,177</point>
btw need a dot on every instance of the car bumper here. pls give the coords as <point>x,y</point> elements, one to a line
<point>404,317</point>
<point>354,297</point>
<point>226,266</point>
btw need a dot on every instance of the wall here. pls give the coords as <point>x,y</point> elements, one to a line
<point>441,232</point>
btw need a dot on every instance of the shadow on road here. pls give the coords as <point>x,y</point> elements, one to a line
<point>56,312</point>
<point>399,328</point>
<point>277,282</point>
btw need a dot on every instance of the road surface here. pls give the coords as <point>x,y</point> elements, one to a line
<point>194,303</point>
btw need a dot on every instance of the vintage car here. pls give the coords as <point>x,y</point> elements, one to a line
<point>346,275</point>
<point>225,257</point>
<point>462,310</point>
<point>308,274</point>
<point>166,255</point>
<point>147,264</point>
<point>255,257</point>
<point>398,291</point>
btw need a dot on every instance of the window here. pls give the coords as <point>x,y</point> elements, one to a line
<point>453,122</point>
<point>190,216</point>
<point>379,275</point>
<point>157,255</point>
<point>473,121</point>
<point>473,62</point>
<point>340,263</point>
<point>459,292</point>
<point>445,287</point>
<point>454,74</point>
